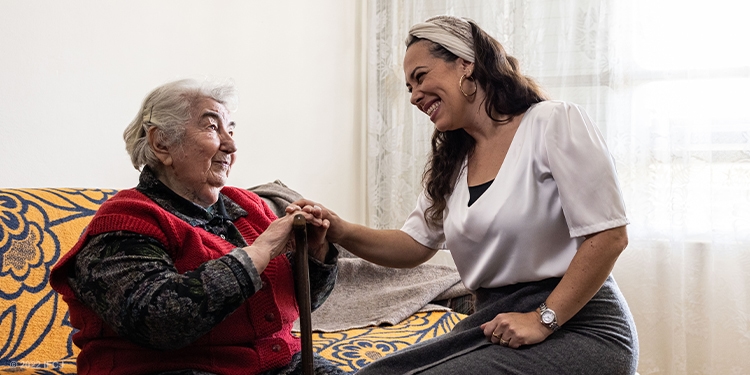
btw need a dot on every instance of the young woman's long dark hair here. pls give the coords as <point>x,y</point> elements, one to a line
<point>509,93</point>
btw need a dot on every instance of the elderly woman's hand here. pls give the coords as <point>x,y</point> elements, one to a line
<point>316,229</point>
<point>275,240</point>
<point>278,239</point>
<point>333,223</point>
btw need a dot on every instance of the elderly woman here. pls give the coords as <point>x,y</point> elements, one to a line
<point>183,275</point>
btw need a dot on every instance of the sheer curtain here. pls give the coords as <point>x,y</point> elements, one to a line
<point>668,83</point>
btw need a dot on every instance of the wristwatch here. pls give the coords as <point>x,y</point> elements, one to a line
<point>548,317</point>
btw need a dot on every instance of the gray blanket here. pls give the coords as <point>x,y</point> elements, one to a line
<point>367,294</point>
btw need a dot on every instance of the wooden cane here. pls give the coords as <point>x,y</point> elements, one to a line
<point>302,291</point>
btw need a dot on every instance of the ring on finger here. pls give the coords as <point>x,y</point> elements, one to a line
<point>504,343</point>
<point>495,335</point>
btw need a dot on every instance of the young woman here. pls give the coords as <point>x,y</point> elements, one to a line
<point>523,191</point>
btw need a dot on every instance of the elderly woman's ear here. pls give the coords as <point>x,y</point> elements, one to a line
<point>160,149</point>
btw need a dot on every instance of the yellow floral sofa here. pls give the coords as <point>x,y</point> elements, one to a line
<point>37,227</point>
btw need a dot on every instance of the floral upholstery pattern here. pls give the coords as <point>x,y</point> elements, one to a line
<point>37,227</point>
<point>356,348</point>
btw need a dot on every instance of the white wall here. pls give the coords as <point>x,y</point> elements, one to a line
<point>73,74</point>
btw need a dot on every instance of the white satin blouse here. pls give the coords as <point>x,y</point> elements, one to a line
<point>557,184</point>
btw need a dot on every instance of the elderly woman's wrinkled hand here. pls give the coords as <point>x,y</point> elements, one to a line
<point>275,240</point>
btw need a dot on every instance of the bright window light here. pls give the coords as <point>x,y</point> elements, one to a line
<point>679,34</point>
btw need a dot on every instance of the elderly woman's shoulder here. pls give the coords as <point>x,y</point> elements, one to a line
<point>130,204</point>
<point>123,198</point>
<point>235,194</point>
<point>247,199</point>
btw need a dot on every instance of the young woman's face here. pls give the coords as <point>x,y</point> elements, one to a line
<point>433,84</point>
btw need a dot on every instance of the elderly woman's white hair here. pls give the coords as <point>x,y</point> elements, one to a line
<point>168,108</point>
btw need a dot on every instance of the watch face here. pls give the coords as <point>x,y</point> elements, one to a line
<point>548,317</point>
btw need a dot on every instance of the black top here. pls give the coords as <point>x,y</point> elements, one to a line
<point>476,191</point>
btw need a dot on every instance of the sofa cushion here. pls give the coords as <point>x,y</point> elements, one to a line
<point>37,226</point>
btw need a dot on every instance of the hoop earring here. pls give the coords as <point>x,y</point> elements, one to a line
<point>461,85</point>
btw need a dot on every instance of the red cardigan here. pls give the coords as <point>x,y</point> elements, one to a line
<point>255,338</point>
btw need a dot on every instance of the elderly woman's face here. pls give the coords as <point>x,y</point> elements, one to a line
<point>201,162</point>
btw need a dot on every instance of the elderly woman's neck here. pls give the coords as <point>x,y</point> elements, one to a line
<point>204,197</point>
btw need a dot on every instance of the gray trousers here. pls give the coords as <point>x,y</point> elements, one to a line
<point>600,339</point>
